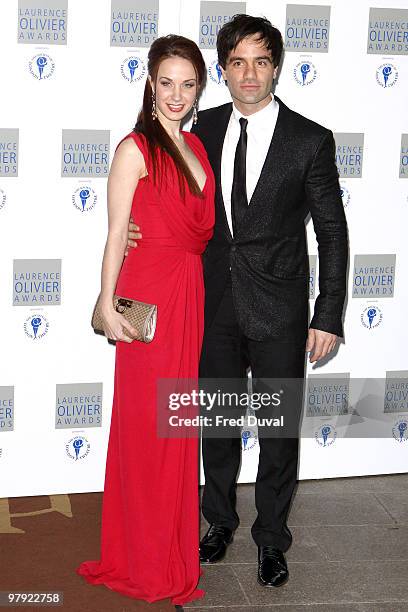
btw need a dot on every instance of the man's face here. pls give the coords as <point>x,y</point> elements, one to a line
<point>249,73</point>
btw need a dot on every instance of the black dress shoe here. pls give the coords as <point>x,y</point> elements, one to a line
<point>214,544</point>
<point>272,568</point>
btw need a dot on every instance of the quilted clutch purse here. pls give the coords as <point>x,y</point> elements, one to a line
<point>142,316</point>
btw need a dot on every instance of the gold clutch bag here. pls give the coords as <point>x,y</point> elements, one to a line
<point>142,316</point>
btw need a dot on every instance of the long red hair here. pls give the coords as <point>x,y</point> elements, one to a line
<point>159,142</point>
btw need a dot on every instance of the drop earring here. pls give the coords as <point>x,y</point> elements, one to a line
<point>154,110</point>
<point>195,115</point>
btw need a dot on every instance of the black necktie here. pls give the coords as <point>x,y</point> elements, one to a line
<point>239,201</point>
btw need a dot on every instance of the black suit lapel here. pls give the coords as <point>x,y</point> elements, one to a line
<point>215,155</point>
<point>274,168</point>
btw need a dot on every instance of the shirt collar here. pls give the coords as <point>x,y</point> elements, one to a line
<point>261,116</point>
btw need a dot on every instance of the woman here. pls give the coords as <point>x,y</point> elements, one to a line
<point>160,174</point>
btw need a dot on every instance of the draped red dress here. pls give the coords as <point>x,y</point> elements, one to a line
<point>150,512</point>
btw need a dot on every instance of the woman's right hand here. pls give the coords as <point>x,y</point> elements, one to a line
<point>114,325</point>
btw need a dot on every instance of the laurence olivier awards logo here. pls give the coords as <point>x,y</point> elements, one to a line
<point>215,74</point>
<point>249,438</point>
<point>396,391</point>
<point>41,66</point>
<point>9,151</point>
<point>345,195</point>
<point>85,153</point>
<point>36,282</point>
<point>327,395</point>
<point>249,433</point>
<point>77,447</point>
<point>213,15</point>
<point>133,69</point>
<point>312,276</point>
<point>349,154</point>
<point>400,430</point>
<point>326,435</point>
<point>78,405</point>
<point>305,73</point>
<point>386,75</point>
<point>36,326</point>
<point>374,275</point>
<point>84,198</point>
<point>388,31</point>
<point>371,317</point>
<point>42,21</point>
<point>307,28</point>
<point>3,198</point>
<point>403,169</point>
<point>134,23</point>
<point>6,409</point>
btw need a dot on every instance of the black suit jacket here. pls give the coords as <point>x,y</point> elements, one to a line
<point>268,255</point>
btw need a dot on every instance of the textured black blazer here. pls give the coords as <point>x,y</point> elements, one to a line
<point>268,255</point>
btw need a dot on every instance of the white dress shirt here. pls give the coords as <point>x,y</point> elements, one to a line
<point>260,129</point>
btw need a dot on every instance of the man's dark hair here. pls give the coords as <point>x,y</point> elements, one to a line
<point>242,26</point>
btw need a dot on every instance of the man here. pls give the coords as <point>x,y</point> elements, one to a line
<point>272,168</point>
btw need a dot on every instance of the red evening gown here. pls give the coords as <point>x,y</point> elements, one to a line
<point>150,512</point>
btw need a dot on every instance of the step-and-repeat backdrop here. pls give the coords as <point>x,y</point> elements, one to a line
<point>72,77</point>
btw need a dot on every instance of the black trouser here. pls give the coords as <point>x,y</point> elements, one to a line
<point>227,353</point>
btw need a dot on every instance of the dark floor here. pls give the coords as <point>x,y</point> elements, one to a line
<point>349,552</point>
